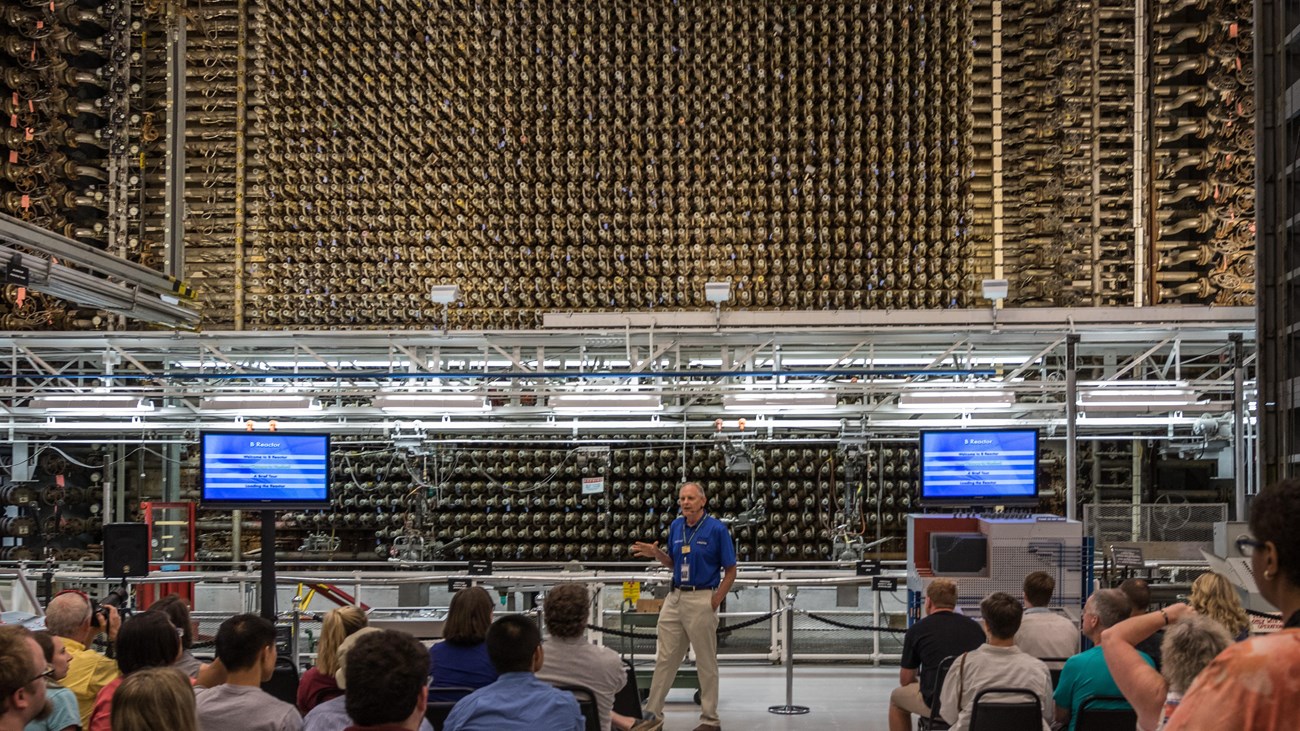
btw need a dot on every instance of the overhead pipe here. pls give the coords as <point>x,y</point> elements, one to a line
<point>508,375</point>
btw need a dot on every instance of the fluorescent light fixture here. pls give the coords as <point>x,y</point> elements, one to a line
<point>1143,398</point>
<point>90,403</point>
<point>425,403</point>
<point>580,403</point>
<point>770,401</point>
<point>254,404</point>
<point>956,400</point>
<point>717,292</point>
<point>444,294</point>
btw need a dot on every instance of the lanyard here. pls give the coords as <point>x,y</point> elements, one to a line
<point>691,538</point>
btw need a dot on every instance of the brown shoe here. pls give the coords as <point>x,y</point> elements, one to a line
<point>708,727</point>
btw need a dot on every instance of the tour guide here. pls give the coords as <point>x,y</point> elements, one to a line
<point>703,561</point>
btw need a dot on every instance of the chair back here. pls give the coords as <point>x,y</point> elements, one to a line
<point>1054,666</point>
<point>627,701</point>
<point>935,721</point>
<point>437,711</point>
<point>284,681</point>
<point>586,703</point>
<point>1106,719</point>
<point>1025,714</point>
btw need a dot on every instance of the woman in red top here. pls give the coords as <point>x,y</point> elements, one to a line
<point>146,640</point>
<point>318,684</point>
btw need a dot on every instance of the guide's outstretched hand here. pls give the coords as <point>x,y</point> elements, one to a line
<point>641,549</point>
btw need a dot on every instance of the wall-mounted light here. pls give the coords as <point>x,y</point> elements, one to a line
<point>995,289</point>
<point>444,294</point>
<point>717,292</point>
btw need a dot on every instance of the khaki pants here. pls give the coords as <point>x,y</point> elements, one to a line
<point>687,620</point>
<point>908,697</point>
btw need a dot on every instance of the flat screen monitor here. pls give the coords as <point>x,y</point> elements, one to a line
<point>264,471</point>
<point>979,467</point>
<point>959,554</point>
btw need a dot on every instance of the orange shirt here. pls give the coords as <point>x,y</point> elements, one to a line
<point>1251,686</point>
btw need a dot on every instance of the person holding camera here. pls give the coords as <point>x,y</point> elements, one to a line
<point>73,617</point>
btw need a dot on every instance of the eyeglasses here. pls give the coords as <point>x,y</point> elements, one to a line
<point>49,673</point>
<point>1247,545</point>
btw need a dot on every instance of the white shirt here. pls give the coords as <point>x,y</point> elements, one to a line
<point>1045,633</point>
<point>994,667</point>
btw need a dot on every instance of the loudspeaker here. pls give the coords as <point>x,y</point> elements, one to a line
<point>126,550</point>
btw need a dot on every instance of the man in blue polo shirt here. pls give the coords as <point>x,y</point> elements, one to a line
<point>703,560</point>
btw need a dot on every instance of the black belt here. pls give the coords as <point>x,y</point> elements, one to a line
<point>687,587</point>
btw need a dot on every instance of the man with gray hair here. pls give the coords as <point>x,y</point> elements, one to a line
<point>72,617</point>
<point>703,560</point>
<point>1085,675</point>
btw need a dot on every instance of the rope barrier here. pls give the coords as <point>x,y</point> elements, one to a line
<point>843,625</point>
<point>722,631</point>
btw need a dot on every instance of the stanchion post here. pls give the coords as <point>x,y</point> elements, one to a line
<point>789,709</point>
<point>875,634</point>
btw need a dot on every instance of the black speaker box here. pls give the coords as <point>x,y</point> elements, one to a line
<point>126,550</point>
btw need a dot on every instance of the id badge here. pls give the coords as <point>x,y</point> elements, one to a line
<point>686,572</point>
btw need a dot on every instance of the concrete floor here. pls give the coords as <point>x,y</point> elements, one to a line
<point>838,697</point>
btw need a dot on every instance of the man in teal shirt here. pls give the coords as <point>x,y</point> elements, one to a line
<point>1085,675</point>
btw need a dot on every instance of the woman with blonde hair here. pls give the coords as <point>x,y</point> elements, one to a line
<point>155,699</point>
<point>318,684</point>
<point>1214,596</point>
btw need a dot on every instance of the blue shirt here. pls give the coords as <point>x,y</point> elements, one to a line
<point>64,712</point>
<point>459,666</point>
<point>711,551</point>
<point>1086,676</point>
<point>516,702</point>
<point>332,715</point>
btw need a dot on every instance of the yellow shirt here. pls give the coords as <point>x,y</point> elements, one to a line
<point>88,672</point>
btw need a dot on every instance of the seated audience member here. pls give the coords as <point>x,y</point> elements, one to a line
<point>317,684</point>
<point>942,633</point>
<point>71,616</point>
<point>146,640</point>
<point>1085,675</point>
<point>155,699</point>
<point>572,660</point>
<point>1044,633</point>
<point>1253,685</point>
<point>461,659</point>
<point>22,677</point>
<point>1191,642</point>
<point>386,675</point>
<point>332,715</point>
<point>1215,597</point>
<point>997,663</point>
<point>246,653</point>
<point>1139,596</point>
<point>178,611</point>
<point>63,715</point>
<point>517,701</point>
